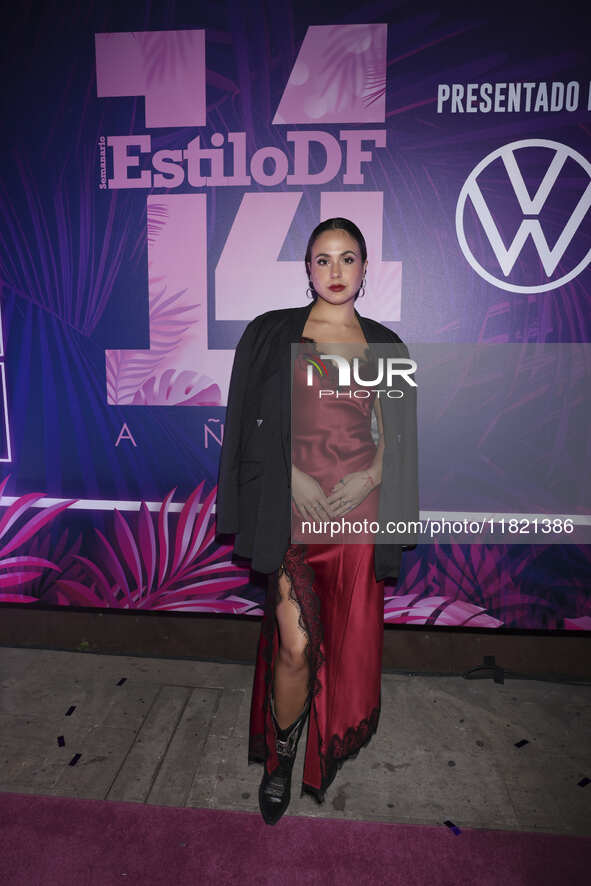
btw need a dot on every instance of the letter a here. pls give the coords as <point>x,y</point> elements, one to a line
<point>125,434</point>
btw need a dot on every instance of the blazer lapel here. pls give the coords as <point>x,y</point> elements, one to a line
<point>290,333</point>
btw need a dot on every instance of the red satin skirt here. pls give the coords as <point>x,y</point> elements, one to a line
<point>342,612</point>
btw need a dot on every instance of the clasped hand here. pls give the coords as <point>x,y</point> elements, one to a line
<point>345,495</point>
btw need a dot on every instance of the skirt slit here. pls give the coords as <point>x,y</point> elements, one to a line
<point>327,748</point>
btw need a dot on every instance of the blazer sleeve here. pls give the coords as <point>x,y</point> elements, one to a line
<point>227,512</point>
<point>409,456</point>
<point>399,498</point>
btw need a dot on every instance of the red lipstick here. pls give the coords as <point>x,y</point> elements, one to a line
<point>338,287</point>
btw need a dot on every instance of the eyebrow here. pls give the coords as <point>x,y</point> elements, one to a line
<point>326,255</point>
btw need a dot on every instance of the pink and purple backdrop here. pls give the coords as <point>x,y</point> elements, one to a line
<point>161,171</point>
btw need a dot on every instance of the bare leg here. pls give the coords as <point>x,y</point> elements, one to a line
<point>292,670</point>
<point>289,700</point>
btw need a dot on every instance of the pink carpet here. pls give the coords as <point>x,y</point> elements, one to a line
<point>53,841</point>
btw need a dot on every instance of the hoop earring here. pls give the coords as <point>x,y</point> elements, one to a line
<point>309,290</point>
<point>362,290</point>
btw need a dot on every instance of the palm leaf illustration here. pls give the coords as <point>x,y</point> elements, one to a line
<point>375,82</point>
<point>48,252</point>
<point>62,555</point>
<point>158,567</point>
<point>480,585</point>
<point>157,214</point>
<point>175,388</point>
<point>20,570</point>
<point>421,600</point>
<point>165,53</point>
<point>348,72</point>
<point>127,371</point>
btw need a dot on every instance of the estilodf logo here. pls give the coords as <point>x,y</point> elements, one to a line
<point>530,243</point>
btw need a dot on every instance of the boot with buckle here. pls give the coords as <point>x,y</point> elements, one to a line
<point>275,789</point>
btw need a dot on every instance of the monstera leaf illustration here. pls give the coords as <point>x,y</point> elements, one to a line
<point>159,569</point>
<point>15,572</point>
<point>439,610</point>
<point>458,584</point>
<point>354,65</point>
<point>432,589</point>
<point>178,389</point>
<point>128,370</point>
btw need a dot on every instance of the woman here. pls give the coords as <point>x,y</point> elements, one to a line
<point>321,641</point>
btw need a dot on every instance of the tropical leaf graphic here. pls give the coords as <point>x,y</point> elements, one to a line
<point>63,557</point>
<point>17,571</point>
<point>42,262</point>
<point>496,579</point>
<point>355,65</point>
<point>578,624</point>
<point>128,370</point>
<point>185,389</point>
<point>375,82</point>
<point>157,215</point>
<point>227,88</point>
<point>159,570</point>
<point>410,609</point>
<point>165,53</point>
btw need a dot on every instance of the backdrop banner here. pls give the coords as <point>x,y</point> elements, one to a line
<point>162,168</point>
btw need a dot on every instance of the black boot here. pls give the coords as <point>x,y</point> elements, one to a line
<point>275,789</point>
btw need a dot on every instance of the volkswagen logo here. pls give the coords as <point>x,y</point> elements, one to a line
<point>520,240</point>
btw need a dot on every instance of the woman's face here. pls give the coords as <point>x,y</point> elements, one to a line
<point>336,268</point>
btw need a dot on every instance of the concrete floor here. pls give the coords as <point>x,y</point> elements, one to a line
<point>175,733</point>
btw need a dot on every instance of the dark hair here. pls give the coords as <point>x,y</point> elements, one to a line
<point>334,224</point>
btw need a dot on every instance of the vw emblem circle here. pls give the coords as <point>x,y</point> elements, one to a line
<point>507,257</point>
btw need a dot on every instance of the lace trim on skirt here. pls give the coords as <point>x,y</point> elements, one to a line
<point>301,591</point>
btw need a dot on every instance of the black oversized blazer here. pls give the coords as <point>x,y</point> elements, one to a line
<point>254,497</point>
